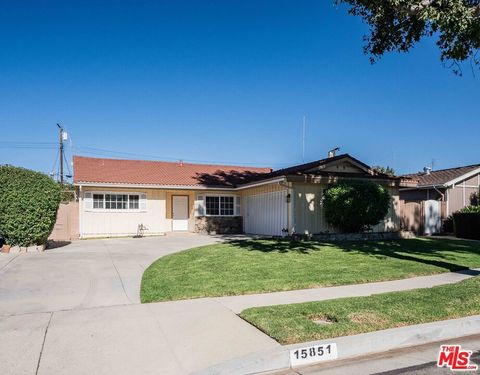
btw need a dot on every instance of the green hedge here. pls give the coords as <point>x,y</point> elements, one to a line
<point>28,206</point>
<point>466,222</point>
<point>355,206</point>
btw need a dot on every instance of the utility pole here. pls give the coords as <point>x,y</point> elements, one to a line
<point>61,153</point>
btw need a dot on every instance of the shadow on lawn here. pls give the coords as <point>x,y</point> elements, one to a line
<point>435,252</point>
<point>276,245</point>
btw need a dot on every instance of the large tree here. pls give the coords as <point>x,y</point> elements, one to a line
<point>396,25</point>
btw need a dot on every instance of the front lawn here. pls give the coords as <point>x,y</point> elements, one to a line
<point>290,324</point>
<point>256,266</point>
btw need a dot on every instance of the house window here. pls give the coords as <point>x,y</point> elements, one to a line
<point>98,201</point>
<point>116,201</point>
<point>226,206</point>
<point>212,205</point>
<point>133,202</point>
<point>220,205</point>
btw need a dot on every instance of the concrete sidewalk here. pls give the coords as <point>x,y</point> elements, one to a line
<point>165,338</point>
<point>239,303</point>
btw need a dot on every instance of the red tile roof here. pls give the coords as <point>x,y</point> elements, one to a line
<point>117,171</point>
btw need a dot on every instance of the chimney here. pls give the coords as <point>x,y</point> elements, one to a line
<point>180,163</point>
<point>427,170</point>
<point>333,152</point>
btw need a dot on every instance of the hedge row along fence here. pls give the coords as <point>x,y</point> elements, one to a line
<point>29,202</point>
<point>466,223</point>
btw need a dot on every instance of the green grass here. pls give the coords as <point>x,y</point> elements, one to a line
<point>256,266</point>
<point>349,316</point>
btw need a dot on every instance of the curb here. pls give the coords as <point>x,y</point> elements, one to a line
<point>352,346</point>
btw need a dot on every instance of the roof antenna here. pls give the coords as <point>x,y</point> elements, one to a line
<point>303,140</point>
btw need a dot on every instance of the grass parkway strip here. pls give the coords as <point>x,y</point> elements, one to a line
<point>260,266</point>
<point>310,321</point>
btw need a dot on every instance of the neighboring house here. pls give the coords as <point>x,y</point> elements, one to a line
<point>117,196</point>
<point>431,196</point>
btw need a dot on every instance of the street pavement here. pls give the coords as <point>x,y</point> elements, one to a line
<point>418,360</point>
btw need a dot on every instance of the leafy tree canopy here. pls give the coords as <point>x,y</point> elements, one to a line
<point>396,25</point>
<point>384,170</point>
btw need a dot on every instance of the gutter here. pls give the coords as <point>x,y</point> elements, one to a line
<point>263,182</point>
<point>180,187</point>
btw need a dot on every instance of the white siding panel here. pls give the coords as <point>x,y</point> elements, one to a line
<point>266,214</point>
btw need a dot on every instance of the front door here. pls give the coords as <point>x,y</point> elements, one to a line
<point>180,212</point>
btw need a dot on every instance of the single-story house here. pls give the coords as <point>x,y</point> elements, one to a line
<point>116,197</point>
<point>431,196</point>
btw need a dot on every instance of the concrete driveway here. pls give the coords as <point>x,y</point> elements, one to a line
<point>84,274</point>
<point>76,310</point>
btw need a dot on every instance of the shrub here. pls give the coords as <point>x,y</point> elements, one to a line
<point>356,205</point>
<point>466,222</point>
<point>28,205</point>
<point>470,210</point>
<point>448,224</point>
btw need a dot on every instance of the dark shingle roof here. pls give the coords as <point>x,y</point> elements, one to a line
<point>442,176</point>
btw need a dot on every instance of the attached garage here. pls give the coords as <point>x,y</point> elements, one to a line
<point>266,213</point>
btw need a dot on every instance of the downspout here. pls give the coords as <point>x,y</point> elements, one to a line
<point>80,205</point>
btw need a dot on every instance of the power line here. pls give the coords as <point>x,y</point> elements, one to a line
<point>105,152</point>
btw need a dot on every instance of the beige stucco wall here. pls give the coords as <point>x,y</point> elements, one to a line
<point>157,217</point>
<point>125,223</point>
<point>309,217</point>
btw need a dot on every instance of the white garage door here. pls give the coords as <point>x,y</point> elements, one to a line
<point>266,214</point>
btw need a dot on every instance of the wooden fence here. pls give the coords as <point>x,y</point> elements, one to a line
<point>67,224</point>
<point>413,216</point>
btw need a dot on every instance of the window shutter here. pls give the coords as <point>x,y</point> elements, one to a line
<point>143,202</point>
<point>88,201</point>
<point>200,206</point>
<point>237,206</point>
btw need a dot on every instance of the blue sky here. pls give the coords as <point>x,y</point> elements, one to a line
<point>219,81</point>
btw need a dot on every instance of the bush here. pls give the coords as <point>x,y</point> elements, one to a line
<point>466,222</point>
<point>470,210</point>
<point>355,206</point>
<point>28,206</point>
<point>448,225</point>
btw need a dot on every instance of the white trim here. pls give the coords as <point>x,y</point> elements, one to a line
<point>152,186</point>
<point>220,195</point>
<point>106,210</point>
<point>261,183</point>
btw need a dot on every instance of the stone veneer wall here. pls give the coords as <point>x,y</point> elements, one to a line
<point>219,224</point>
